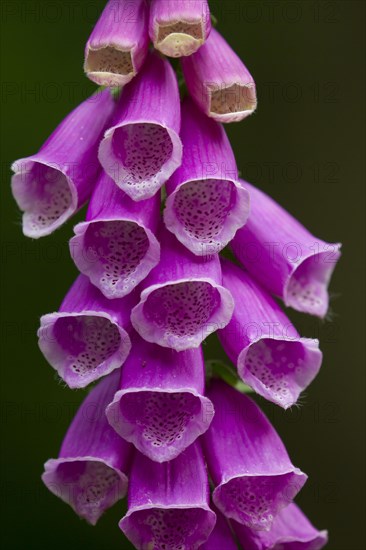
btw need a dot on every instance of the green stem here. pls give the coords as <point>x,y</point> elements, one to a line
<point>218,369</point>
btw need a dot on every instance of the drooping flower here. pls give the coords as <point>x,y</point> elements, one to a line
<point>142,148</point>
<point>182,299</point>
<point>249,465</point>
<point>50,186</point>
<point>291,530</point>
<point>168,504</point>
<point>179,27</point>
<point>280,253</point>
<point>116,246</point>
<point>118,45</point>
<point>270,355</point>
<point>221,537</point>
<point>87,338</point>
<point>90,473</point>
<point>219,82</point>
<point>206,204</point>
<point>160,406</point>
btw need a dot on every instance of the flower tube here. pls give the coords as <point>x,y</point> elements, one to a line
<point>160,406</point>
<point>118,45</point>
<point>50,186</point>
<point>179,27</point>
<point>182,299</point>
<point>221,537</point>
<point>219,82</point>
<point>284,257</point>
<point>168,503</point>
<point>90,473</point>
<point>142,148</point>
<point>249,464</point>
<point>291,530</point>
<point>87,338</point>
<point>269,354</point>
<point>116,246</point>
<point>206,204</point>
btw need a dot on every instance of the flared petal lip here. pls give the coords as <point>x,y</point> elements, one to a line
<point>302,478</point>
<point>150,260</point>
<point>110,79</point>
<point>52,464</point>
<point>20,168</point>
<point>46,341</point>
<point>238,218</point>
<point>211,516</point>
<point>331,267</point>
<point>312,346</point>
<point>188,44</point>
<point>151,506</point>
<point>320,540</point>
<point>262,473</point>
<point>104,155</point>
<point>207,413</point>
<point>235,116</point>
<point>220,319</point>
<point>106,78</point>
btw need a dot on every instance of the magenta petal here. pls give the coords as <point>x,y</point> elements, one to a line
<point>206,204</point>
<point>142,148</point>
<point>250,467</point>
<point>270,355</point>
<point>50,186</point>
<point>179,27</point>
<point>90,471</point>
<point>116,246</point>
<point>219,82</point>
<point>88,337</point>
<point>291,530</point>
<point>221,537</point>
<point>168,503</point>
<point>160,406</point>
<point>119,43</point>
<point>284,257</point>
<point>182,299</point>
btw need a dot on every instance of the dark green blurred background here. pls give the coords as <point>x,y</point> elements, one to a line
<point>304,146</point>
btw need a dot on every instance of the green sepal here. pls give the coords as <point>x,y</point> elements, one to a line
<point>116,93</point>
<point>217,369</point>
<point>214,20</point>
